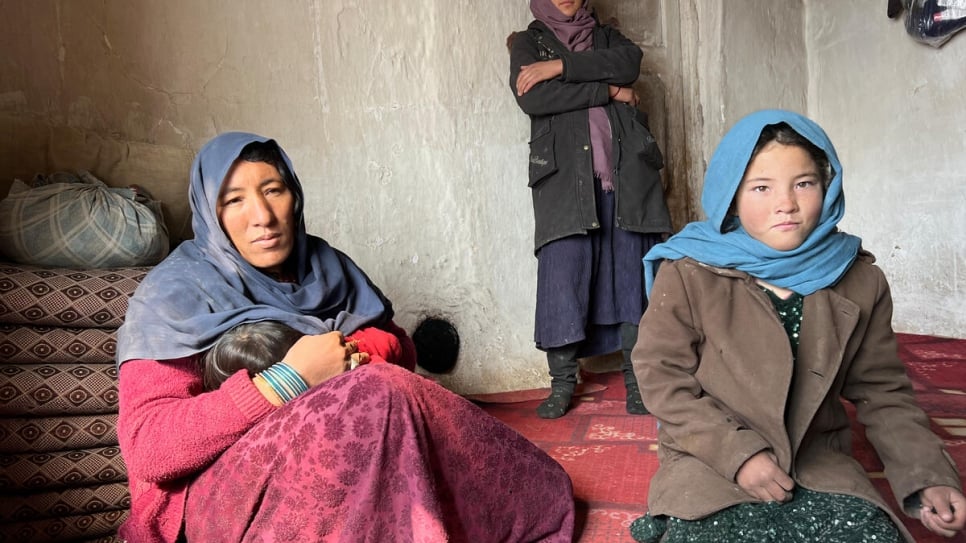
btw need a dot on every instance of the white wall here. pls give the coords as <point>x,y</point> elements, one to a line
<point>748,57</point>
<point>398,117</point>
<point>412,151</point>
<point>896,111</point>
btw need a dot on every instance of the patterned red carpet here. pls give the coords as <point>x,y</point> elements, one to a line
<point>610,455</point>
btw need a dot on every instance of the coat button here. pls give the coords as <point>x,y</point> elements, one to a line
<point>586,147</point>
<point>594,224</point>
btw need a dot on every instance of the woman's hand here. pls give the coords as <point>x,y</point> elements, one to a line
<point>943,510</point>
<point>761,477</point>
<point>321,357</point>
<point>624,94</point>
<point>532,74</point>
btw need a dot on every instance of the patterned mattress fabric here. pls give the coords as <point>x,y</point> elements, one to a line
<point>58,389</point>
<point>65,503</point>
<point>51,434</point>
<point>58,470</point>
<point>61,472</point>
<point>99,527</point>
<point>65,297</point>
<point>25,344</point>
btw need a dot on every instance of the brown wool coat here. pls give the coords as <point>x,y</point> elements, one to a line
<point>715,367</point>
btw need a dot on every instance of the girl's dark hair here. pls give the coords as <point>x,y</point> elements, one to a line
<point>786,135</point>
<point>251,346</point>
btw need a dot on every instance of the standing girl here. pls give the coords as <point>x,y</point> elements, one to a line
<point>762,319</point>
<point>597,196</point>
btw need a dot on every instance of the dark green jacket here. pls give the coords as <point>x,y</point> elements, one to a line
<point>561,168</point>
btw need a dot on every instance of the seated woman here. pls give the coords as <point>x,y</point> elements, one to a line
<point>375,454</point>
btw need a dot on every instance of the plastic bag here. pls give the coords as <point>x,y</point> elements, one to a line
<point>931,22</point>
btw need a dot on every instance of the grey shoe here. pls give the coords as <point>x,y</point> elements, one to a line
<point>635,404</point>
<point>556,404</point>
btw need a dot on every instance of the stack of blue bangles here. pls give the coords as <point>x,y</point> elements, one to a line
<point>285,381</point>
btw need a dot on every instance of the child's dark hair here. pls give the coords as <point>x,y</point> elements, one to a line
<point>786,135</point>
<point>251,346</point>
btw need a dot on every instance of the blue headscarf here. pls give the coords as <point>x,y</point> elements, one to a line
<point>205,287</point>
<point>821,260</point>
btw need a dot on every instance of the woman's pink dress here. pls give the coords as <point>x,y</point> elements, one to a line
<point>381,454</point>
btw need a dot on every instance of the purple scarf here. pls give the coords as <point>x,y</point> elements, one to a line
<point>577,34</point>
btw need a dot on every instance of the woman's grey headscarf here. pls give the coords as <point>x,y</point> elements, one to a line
<point>205,287</point>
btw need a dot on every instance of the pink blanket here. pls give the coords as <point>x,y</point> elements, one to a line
<point>381,454</point>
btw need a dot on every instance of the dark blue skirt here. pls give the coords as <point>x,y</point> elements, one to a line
<point>588,285</point>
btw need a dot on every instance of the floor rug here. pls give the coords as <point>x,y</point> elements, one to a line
<point>611,455</point>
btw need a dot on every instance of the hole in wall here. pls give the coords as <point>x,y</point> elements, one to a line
<point>437,345</point>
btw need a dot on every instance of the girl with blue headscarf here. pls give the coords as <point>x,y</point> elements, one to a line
<point>762,318</point>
